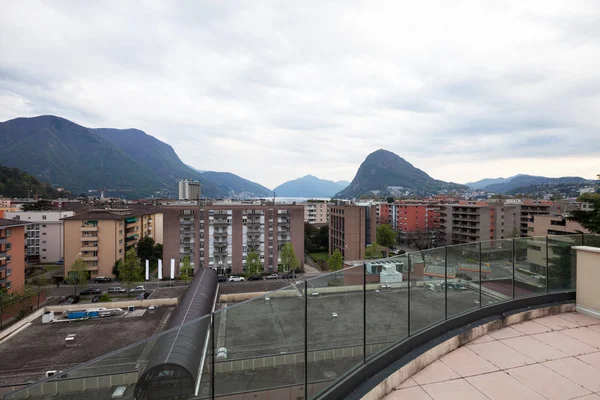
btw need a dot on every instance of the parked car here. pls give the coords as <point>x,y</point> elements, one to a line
<point>273,276</point>
<point>287,276</point>
<point>236,278</point>
<point>102,279</point>
<point>116,289</point>
<point>138,289</point>
<point>142,296</point>
<point>90,291</point>
<point>221,278</point>
<point>60,262</point>
<point>95,299</point>
<point>255,278</point>
<point>72,299</point>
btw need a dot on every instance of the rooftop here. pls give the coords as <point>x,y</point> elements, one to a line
<point>7,223</point>
<point>555,357</point>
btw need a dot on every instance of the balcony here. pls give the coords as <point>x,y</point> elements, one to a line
<point>88,248</point>
<point>89,238</point>
<point>89,229</point>
<point>89,258</point>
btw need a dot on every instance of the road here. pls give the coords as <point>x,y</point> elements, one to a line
<point>66,290</point>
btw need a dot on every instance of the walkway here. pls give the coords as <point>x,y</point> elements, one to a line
<point>555,357</point>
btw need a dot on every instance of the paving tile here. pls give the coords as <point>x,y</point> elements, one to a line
<point>482,339</point>
<point>555,323</point>
<point>594,327</point>
<point>501,355</point>
<point>451,390</point>
<point>548,383</point>
<point>467,363</point>
<point>531,327</point>
<point>410,382</point>
<point>580,319</point>
<point>500,386</point>
<point>534,349</point>
<point>577,371</point>
<point>589,397</point>
<point>564,343</point>
<point>505,333</point>
<point>435,372</point>
<point>585,335</point>
<point>592,359</point>
<point>413,393</point>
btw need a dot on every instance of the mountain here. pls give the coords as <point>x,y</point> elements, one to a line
<point>343,184</point>
<point>522,181</point>
<point>126,162</point>
<point>16,183</point>
<point>385,172</point>
<point>485,182</point>
<point>309,186</point>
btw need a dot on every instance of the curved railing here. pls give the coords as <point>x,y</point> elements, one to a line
<point>303,339</point>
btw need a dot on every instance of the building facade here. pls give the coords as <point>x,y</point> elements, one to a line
<point>101,237</point>
<point>12,256</point>
<point>189,189</point>
<point>351,229</point>
<point>316,211</point>
<point>542,225</point>
<point>44,235</point>
<point>220,236</point>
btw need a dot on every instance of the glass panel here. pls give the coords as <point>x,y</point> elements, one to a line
<point>427,299</point>
<point>387,303</point>
<point>463,291</point>
<point>335,325</point>
<point>561,262</point>
<point>591,240</point>
<point>530,266</point>
<point>261,339</point>
<point>496,271</point>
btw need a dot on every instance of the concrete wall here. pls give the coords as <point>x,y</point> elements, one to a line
<point>116,304</point>
<point>588,276</point>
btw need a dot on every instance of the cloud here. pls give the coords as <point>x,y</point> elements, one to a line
<point>272,91</point>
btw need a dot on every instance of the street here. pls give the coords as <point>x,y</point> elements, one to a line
<point>66,290</point>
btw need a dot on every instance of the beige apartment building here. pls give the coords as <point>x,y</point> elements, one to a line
<point>542,225</point>
<point>316,211</point>
<point>351,229</point>
<point>220,236</point>
<point>103,236</point>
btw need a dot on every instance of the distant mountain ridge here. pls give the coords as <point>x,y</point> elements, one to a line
<point>384,172</point>
<point>309,186</point>
<point>126,162</point>
<point>507,185</point>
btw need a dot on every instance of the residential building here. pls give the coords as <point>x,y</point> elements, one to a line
<point>220,236</point>
<point>12,255</point>
<point>351,229</point>
<point>556,224</point>
<point>316,211</point>
<point>189,189</point>
<point>4,202</point>
<point>587,190</point>
<point>44,235</point>
<point>530,208</point>
<point>103,236</point>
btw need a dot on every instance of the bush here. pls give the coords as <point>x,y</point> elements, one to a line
<point>104,298</point>
<point>335,282</point>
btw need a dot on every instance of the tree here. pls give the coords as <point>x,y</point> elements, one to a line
<point>115,269</point>
<point>590,220</point>
<point>386,235</point>
<point>186,269</point>
<point>389,199</point>
<point>39,205</point>
<point>79,271</point>
<point>253,265</point>
<point>335,261</point>
<point>158,251</point>
<point>131,269</point>
<point>288,258</point>
<point>373,251</point>
<point>145,248</point>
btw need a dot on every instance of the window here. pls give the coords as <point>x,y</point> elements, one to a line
<point>8,232</point>
<point>120,251</point>
<point>43,226</point>
<point>43,249</point>
<point>43,242</point>
<point>8,284</point>
<point>43,217</point>
<point>120,241</point>
<point>16,217</point>
<point>8,246</point>
<point>8,258</point>
<point>8,271</point>
<point>43,258</point>
<point>43,233</point>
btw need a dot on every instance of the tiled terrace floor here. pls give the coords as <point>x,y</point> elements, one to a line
<point>556,357</point>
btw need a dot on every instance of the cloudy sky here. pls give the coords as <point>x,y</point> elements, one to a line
<point>276,90</point>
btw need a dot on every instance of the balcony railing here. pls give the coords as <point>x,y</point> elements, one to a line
<point>325,330</point>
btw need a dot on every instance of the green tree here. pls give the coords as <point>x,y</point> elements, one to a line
<point>145,248</point>
<point>386,235</point>
<point>288,258</point>
<point>186,269</point>
<point>374,251</point>
<point>590,220</point>
<point>389,199</point>
<point>131,269</point>
<point>115,269</point>
<point>335,261</point>
<point>253,265</point>
<point>78,272</point>
<point>158,251</point>
<point>39,205</point>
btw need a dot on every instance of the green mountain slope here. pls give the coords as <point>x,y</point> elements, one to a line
<point>235,186</point>
<point>16,183</point>
<point>309,186</point>
<point>383,169</point>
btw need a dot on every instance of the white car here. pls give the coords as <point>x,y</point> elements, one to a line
<point>138,289</point>
<point>236,279</point>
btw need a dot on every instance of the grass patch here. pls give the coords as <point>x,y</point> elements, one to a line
<point>321,256</point>
<point>52,267</point>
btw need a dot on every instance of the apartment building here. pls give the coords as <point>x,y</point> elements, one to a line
<point>44,235</point>
<point>351,229</point>
<point>220,236</point>
<point>555,224</point>
<point>12,255</point>
<point>189,189</point>
<point>103,236</point>
<point>316,211</point>
<point>4,202</point>
<point>531,208</point>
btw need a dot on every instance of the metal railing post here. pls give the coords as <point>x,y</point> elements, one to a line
<point>305,339</point>
<point>409,267</point>
<point>364,313</point>
<point>212,355</point>
<point>514,255</point>
<point>480,297</point>
<point>582,239</point>
<point>446,282</point>
<point>547,277</point>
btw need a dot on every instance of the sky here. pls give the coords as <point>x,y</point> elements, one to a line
<point>275,90</point>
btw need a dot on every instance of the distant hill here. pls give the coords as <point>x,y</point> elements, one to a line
<point>127,162</point>
<point>385,172</point>
<point>485,182</point>
<point>16,183</point>
<point>309,186</point>
<point>522,181</point>
<point>236,186</point>
<point>344,184</point>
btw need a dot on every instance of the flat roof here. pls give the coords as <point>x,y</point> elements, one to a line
<point>7,223</point>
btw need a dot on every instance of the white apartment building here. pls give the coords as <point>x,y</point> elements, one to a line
<point>316,212</point>
<point>44,237</point>
<point>189,189</point>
